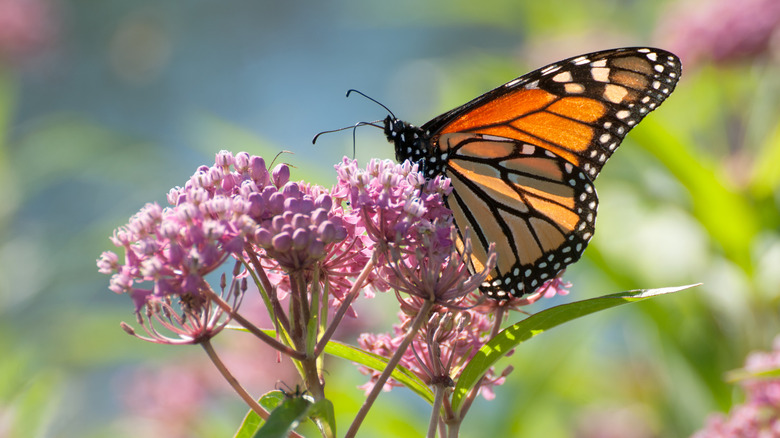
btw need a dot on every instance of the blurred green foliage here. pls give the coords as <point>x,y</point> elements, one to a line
<point>692,196</point>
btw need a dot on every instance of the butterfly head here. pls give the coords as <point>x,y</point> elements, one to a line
<point>411,142</point>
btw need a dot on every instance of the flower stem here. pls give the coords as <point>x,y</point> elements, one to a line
<point>277,315</point>
<point>437,401</point>
<point>212,354</point>
<point>232,380</point>
<point>453,430</point>
<point>421,317</point>
<point>251,327</point>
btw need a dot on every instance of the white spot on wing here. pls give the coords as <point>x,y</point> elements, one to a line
<point>513,82</point>
<point>615,93</point>
<point>574,88</point>
<point>600,74</point>
<point>564,76</point>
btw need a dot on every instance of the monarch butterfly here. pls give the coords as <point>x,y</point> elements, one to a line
<point>523,156</point>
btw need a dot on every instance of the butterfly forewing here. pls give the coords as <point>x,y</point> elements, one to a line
<point>580,108</point>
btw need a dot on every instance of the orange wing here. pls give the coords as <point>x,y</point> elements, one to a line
<point>580,108</point>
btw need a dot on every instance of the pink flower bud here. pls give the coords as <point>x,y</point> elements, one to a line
<point>263,238</point>
<point>282,242</point>
<point>280,175</point>
<point>327,232</point>
<point>300,239</point>
<point>258,171</point>
<point>324,201</point>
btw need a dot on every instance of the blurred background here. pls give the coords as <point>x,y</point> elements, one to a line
<point>105,106</point>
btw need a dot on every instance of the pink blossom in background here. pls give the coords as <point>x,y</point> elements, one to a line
<point>759,416</point>
<point>27,27</point>
<point>720,30</point>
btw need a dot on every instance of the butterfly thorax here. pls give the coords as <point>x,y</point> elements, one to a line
<point>416,145</point>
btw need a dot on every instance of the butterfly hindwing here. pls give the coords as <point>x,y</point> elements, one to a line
<point>505,188</point>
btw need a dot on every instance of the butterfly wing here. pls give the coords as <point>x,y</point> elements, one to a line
<point>538,208</point>
<point>580,108</point>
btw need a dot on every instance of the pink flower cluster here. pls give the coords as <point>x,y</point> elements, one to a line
<point>221,212</point>
<point>759,416</point>
<point>395,202</point>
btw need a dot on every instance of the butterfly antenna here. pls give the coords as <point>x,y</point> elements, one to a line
<point>371,99</point>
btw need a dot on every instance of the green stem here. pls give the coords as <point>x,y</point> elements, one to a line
<point>421,317</point>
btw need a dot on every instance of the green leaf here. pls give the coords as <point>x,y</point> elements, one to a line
<point>249,426</point>
<point>252,422</point>
<point>766,175</point>
<point>285,418</point>
<point>535,324</point>
<point>715,206</point>
<point>378,363</point>
<point>325,415</point>
<point>743,374</point>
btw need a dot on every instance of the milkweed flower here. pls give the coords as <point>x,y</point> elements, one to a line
<point>394,201</point>
<point>294,227</point>
<point>398,210</point>
<point>168,252</point>
<point>435,272</point>
<point>191,323</point>
<point>759,416</point>
<point>222,211</point>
